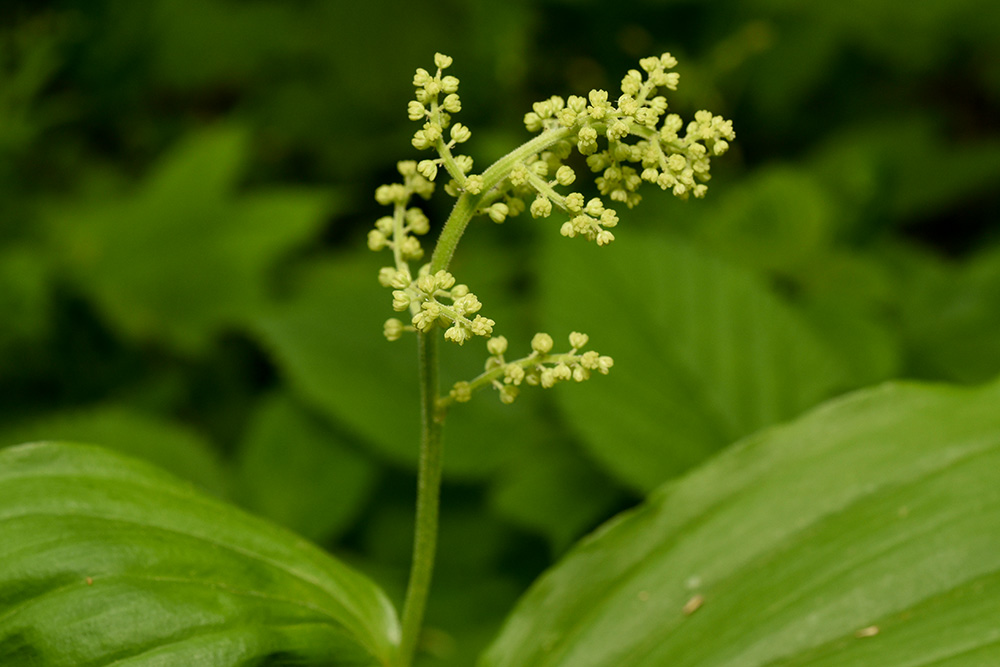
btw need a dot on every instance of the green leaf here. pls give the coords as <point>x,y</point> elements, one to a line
<point>876,513</point>
<point>704,353</point>
<point>175,448</point>
<point>295,471</point>
<point>184,256</point>
<point>555,491</point>
<point>107,560</point>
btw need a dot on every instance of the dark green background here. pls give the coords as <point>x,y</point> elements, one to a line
<point>185,186</point>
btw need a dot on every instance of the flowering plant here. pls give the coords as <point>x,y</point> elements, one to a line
<point>626,142</point>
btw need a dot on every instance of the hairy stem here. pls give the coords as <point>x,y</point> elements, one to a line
<point>428,497</point>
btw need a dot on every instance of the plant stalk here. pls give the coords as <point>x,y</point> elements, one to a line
<point>428,497</point>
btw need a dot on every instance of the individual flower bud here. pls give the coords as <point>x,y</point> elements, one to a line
<point>449,84</point>
<point>565,175</point>
<point>541,207</point>
<point>441,61</point>
<point>418,221</point>
<point>542,343</point>
<point>482,326</point>
<point>421,141</point>
<point>421,78</point>
<point>400,300</point>
<point>384,224</point>
<point>567,229</point>
<point>590,359</point>
<point>391,194</point>
<point>604,237</point>
<point>457,333</point>
<point>427,284</point>
<point>518,174</point>
<point>562,371</point>
<point>464,163</point>
<point>604,364</point>
<point>386,275</point>
<point>461,392</point>
<point>376,240</point>
<point>508,393</point>
<point>411,248</point>
<point>460,290</point>
<point>574,202</point>
<point>547,378</point>
<point>460,133</point>
<point>400,280</point>
<point>513,374</point>
<point>428,169</point>
<point>578,340</point>
<point>497,345</point>
<point>580,374</point>
<point>467,304</point>
<point>452,103</point>
<point>444,280</point>
<point>474,184</point>
<point>415,110</point>
<point>392,329</point>
<point>498,212</point>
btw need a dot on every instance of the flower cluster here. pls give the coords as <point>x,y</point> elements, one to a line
<point>435,112</point>
<point>541,367</point>
<point>435,299</point>
<point>658,153</point>
<point>626,142</point>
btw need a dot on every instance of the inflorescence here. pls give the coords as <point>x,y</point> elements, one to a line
<point>626,142</point>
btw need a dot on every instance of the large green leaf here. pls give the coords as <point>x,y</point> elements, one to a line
<point>704,352</point>
<point>107,560</point>
<point>865,533</point>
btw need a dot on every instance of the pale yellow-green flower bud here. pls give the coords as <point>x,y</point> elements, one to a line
<point>541,207</point>
<point>441,61</point>
<point>542,343</point>
<point>460,133</point>
<point>392,329</point>
<point>498,212</point>
<point>376,240</point>
<point>497,346</point>
<point>415,110</point>
<point>461,392</point>
<point>565,175</point>
<point>578,340</point>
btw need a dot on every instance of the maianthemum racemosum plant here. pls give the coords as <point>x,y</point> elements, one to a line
<point>626,141</point>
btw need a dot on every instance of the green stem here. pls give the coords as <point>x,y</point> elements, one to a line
<point>431,408</point>
<point>428,497</point>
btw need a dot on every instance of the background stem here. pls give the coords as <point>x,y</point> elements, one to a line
<point>428,496</point>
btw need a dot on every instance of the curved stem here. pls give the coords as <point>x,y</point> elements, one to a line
<point>428,497</point>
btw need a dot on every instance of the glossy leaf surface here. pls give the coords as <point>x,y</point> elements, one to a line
<point>865,533</point>
<point>107,560</point>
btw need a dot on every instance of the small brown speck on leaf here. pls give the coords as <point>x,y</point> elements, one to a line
<point>693,605</point>
<point>90,581</point>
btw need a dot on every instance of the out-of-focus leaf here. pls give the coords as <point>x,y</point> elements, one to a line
<point>293,470</point>
<point>107,560</point>
<point>173,447</point>
<point>185,256</point>
<point>865,533</point>
<point>704,353</point>
<point>554,491</point>
<point>328,342</point>
<point>950,314</point>
<point>776,220</point>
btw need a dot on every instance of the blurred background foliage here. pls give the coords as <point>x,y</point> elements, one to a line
<point>185,186</point>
